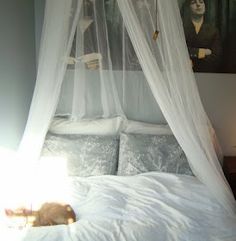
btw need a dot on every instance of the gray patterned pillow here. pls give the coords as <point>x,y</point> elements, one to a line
<point>141,153</point>
<point>86,155</point>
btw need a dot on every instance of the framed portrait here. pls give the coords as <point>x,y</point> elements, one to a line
<point>210,33</point>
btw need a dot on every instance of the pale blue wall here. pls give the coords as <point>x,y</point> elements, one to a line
<point>17,68</point>
<point>39,14</point>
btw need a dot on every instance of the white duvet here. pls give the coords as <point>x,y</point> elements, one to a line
<point>148,207</point>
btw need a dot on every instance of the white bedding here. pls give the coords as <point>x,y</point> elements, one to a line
<point>148,207</point>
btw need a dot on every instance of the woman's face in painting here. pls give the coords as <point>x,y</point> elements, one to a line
<point>197,7</point>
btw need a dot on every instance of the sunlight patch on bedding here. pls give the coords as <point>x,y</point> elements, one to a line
<point>12,185</point>
<point>50,181</point>
<point>11,178</point>
<point>8,234</point>
<point>26,184</point>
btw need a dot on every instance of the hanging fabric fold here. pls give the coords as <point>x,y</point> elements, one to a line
<point>56,41</point>
<point>174,88</point>
<point>94,79</point>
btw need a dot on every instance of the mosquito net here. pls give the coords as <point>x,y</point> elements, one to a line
<point>106,58</point>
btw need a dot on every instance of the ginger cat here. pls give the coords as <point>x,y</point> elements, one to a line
<point>50,213</point>
<point>53,214</point>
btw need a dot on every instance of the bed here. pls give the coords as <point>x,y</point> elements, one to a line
<point>146,192</point>
<point>152,206</point>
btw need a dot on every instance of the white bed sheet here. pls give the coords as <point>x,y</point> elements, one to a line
<point>147,207</point>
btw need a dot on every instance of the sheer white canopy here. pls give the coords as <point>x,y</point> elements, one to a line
<point>96,55</point>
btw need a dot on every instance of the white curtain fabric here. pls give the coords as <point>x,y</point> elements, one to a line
<point>88,57</point>
<point>60,22</point>
<point>93,66</point>
<point>166,66</point>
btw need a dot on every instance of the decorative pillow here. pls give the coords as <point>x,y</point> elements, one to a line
<point>146,128</point>
<point>86,155</point>
<point>110,126</point>
<point>143,153</point>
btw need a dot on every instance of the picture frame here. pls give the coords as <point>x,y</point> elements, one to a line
<point>210,40</point>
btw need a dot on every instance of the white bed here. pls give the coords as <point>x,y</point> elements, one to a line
<point>146,207</point>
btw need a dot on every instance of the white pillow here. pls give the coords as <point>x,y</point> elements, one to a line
<point>146,128</point>
<point>110,126</point>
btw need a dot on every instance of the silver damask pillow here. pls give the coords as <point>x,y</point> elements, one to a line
<point>141,153</point>
<point>86,155</point>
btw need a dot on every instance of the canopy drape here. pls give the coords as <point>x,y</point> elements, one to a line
<point>55,46</point>
<point>174,88</point>
<point>77,47</point>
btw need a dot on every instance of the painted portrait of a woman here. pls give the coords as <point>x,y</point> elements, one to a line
<point>202,38</point>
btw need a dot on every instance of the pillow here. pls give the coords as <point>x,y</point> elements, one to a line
<point>146,128</point>
<point>111,126</point>
<point>144,153</point>
<point>86,155</point>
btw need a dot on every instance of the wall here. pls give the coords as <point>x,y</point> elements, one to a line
<point>39,14</point>
<point>219,99</point>
<point>17,68</point>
